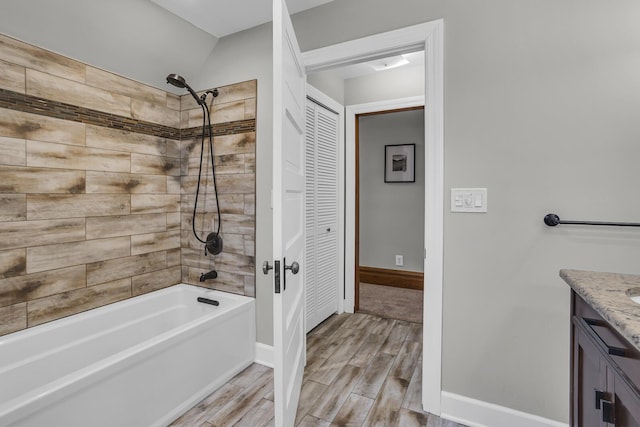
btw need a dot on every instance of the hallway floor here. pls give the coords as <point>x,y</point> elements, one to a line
<point>362,370</point>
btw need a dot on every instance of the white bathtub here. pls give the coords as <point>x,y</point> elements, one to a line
<point>139,362</point>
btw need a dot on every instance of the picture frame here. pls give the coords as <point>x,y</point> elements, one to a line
<point>399,163</point>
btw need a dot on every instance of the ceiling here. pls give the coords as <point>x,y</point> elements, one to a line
<point>238,15</point>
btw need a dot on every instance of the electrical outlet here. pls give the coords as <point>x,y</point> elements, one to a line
<point>399,260</point>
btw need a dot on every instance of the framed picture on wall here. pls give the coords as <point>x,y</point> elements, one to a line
<point>399,163</point>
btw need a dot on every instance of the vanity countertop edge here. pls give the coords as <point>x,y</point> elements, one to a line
<point>609,295</point>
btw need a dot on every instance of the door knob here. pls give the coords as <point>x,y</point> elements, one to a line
<point>294,267</point>
<point>266,267</point>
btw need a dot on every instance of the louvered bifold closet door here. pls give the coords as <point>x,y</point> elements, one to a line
<point>321,214</point>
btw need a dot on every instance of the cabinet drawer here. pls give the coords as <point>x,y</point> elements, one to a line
<point>622,353</point>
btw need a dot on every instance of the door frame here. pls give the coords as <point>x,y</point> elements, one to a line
<point>429,37</point>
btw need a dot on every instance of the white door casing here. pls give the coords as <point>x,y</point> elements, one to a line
<point>430,37</point>
<point>288,216</point>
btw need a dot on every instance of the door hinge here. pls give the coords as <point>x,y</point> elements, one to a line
<point>276,275</point>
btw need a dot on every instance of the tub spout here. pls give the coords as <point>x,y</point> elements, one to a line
<point>210,275</point>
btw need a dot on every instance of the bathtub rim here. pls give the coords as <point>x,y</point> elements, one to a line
<point>66,385</point>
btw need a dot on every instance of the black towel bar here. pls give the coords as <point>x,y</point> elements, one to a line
<point>552,220</point>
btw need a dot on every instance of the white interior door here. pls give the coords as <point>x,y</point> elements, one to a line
<point>288,216</point>
<point>322,254</point>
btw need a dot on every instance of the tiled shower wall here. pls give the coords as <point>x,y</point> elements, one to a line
<point>95,174</point>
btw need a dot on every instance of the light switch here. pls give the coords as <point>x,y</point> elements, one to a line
<point>468,200</point>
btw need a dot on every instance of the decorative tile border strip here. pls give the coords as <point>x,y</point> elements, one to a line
<point>60,110</point>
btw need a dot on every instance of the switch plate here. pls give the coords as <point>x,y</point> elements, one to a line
<point>399,260</point>
<point>468,200</point>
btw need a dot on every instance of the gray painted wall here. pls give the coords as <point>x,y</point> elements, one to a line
<point>391,214</point>
<point>541,100</point>
<point>134,38</point>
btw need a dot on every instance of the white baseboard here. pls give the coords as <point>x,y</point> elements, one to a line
<point>264,354</point>
<point>476,413</point>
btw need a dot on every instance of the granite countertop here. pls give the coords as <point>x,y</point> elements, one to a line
<point>609,294</point>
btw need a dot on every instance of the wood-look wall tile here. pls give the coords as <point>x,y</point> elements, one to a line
<point>241,224</point>
<point>13,151</point>
<point>250,286</point>
<point>195,258</point>
<point>154,113</point>
<point>22,234</point>
<point>153,242</point>
<point>13,318</point>
<point>234,262</point>
<point>250,163</point>
<point>249,245</point>
<point>249,204</point>
<point>227,112</point>
<point>108,182</point>
<point>155,280</point>
<point>122,140</point>
<point>70,92</point>
<point>50,257</point>
<point>173,184</point>
<point>29,56</point>
<point>13,207</point>
<point>124,86</point>
<point>106,271</point>
<point>173,148</point>
<point>13,263</point>
<point>18,179</point>
<point>61,305</point>
<point>226,282</point>
<point>16,124</point>
<point>229,203</point>
<point>100,227</point>
<point>225,164</point>
<point>32,286</point>
<point>172,220</point>
<point>250,108</point>
<point>237,91</point>
<point>239,143</point>
<point>12,77</point>
<point>62,156</point>
<point>155,165</point>
<point>174,257</point>
<point>155,203</point>
<point>49,206</point>
<point>238,184</point>
<point>173,101</point>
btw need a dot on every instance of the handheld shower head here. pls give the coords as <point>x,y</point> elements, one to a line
<point>179,81</point>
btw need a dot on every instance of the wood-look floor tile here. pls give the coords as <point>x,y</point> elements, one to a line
<point>233,411</point>
<point>413,398</point>
<point>311,421</point>
<point>309,395</point>
<point>388,403</point>
<point>406,360</point>
<point>375,375</point>
<point>367,350</point>
<point>259,416</point>
<point>328,405</point>
<point>250,375</point>
<point>394,342</point>
<point>353,412</point>
<point>407,418</point>
<point>209,406</point>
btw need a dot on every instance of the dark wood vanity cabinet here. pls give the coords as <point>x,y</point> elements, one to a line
<point>605,372</point>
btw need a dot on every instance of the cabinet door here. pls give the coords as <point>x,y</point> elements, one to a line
<point>626,401</point>
<point>589,377</point>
